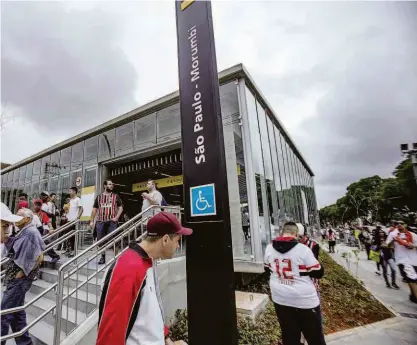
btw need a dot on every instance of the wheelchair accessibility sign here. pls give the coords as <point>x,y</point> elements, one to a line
<point>203,200</point>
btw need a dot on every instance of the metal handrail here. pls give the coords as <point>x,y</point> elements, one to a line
<point>117,235</point>
<point>62,276</point>
<point>46,237</point>
<point>43,293</point>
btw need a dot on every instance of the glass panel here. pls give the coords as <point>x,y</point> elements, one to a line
<point>54,167</point>
<point>106,144</point>
<point>91,148</point>
<point>293,194</point>
<point>287,190</point>
<point>145,128</point>
<point>12,201</point>
<point>277,174</point>
<point>124,137</point>
<point>258,166</point>
<point>53,185</point>
<point>272,204</point>
<point>90,177</point>
<point>243,191</point>
<point>169,122</point>
<point>37,167</point>
<point>45,166</point>
<point>29,171</point>
<point>77,152</point>
<point>64,187</point>
<point>34,193</point>
<point>65,160</point>
<point>15,177</point>
<point>44,186</point>
<point>22,175</point>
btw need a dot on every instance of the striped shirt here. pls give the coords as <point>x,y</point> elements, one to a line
<point>107,206</point>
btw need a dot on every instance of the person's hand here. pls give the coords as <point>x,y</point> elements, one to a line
<point>51,231</point>
<point>115,220</point>
<point>91,225</point>
<point>410,245</point>
<point>145,195</point>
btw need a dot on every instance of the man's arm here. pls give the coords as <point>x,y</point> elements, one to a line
<point>157,200</point>
<point>94,212</point>
<point>311,267</point>
<point>119,210</point>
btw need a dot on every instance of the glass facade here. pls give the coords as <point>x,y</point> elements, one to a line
<point>273,182</point>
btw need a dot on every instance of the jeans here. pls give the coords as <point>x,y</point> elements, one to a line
<point>294,321</point>
<point>391,264</point>
<point>14,296</point>
<point>103,229</point>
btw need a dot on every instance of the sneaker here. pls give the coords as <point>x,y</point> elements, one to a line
<point>55,259</point>
<point>71,254</point>
<point>102,261</point>
<point>395,286</point>
<point>388,286</point>
<point>378,273</point>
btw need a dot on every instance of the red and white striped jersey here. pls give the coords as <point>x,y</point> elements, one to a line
<point>290,267</point>
<point>107,206</point>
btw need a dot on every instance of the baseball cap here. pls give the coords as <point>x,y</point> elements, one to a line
<point>164,223</point>
<point>45,193</point>
<point>7,215</point>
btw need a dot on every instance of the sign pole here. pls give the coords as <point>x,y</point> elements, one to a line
<point>210,274</point>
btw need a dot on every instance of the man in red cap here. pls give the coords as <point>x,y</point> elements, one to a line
<point>130,310</point>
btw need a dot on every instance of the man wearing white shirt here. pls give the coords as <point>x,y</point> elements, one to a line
<point>405,244</point>
<point>297,305</point>
<point>74,213</point>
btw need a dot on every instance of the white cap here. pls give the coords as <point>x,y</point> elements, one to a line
<point>301,230</point>
<point>7,215</point>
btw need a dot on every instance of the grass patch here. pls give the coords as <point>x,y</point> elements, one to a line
<point>345,304</point>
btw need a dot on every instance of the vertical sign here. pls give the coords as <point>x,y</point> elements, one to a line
<point>210,273</point>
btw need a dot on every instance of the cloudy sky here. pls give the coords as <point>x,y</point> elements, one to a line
<point>342,77</point>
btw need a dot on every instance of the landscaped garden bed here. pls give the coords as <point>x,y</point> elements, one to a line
<point>345,304</point>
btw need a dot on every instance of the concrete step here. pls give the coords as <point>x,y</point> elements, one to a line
<point>93,286</point>
<point>70,316</point>
<point>41,333</point>
<point>86,302</point>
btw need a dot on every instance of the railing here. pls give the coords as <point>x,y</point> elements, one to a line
<point>133,230</point>
<point>124,234</point>
<point>57,241</point>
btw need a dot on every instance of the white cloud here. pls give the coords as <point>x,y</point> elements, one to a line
<point>333,72</point>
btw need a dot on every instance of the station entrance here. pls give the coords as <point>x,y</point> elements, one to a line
<point>130,179</point>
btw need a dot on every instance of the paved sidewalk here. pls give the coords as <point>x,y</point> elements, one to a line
<point>398,330</point>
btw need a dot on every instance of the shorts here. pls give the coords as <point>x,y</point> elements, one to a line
<point>405,276</point>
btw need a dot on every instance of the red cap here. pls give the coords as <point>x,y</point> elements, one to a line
<point>164,223</point>
<point>37,201</point>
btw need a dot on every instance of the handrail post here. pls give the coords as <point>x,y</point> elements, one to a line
<point>76,238</point>
<point>58,310</point>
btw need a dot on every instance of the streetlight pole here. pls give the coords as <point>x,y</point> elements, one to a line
<point>412,154</point>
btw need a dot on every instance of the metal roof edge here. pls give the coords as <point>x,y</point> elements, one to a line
<point>266,104</point>
<point>225,76</point>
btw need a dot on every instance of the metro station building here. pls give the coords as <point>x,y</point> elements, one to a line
<point>267,175</point>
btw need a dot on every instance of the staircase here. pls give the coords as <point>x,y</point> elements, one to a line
<point>77,281</point>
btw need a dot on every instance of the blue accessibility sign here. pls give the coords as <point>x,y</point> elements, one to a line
<point>203,200</point>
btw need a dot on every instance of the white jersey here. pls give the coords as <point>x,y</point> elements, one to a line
<point>290,285</point>
<point>402,254</point>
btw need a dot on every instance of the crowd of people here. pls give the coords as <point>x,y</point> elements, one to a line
<point>390,247</point>
<point>292,260</point>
